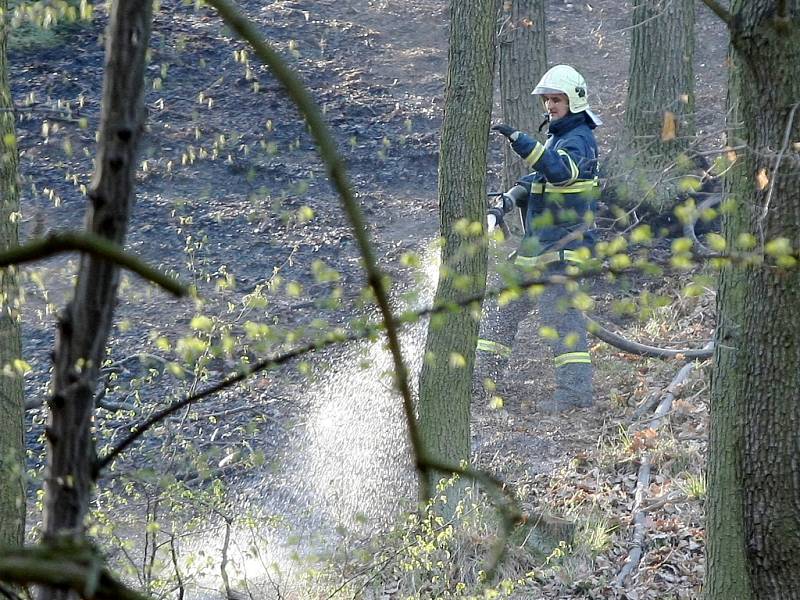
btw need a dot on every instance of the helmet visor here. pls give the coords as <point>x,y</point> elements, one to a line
<point>540,90</point>
<point>593,117</point>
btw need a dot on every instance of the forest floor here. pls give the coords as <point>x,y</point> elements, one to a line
<point>226,171</point>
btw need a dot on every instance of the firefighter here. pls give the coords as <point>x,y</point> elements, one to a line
<point>558,201</point>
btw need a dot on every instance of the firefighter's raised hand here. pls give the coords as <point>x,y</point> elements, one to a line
<point>510,132</point>
<point>521,143</point>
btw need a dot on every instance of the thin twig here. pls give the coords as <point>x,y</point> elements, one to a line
<point>648,19</point>
<point>372,329</point>
<point>223,566</point>
<point>174,555</point>
<point>786,134</point>
<point>378,566</point>
<point>720,11</point>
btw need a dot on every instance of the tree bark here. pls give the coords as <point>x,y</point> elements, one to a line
<point>85,324</point>
<point>445,380</point>
<point>753,522</point>
<point>522,47</point>
<point>659,116</point>
<point>12,449</point>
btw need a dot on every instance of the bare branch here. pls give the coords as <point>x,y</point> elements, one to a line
<point>85,322</point>
<point>720,11</point>
<point>77,567</point>
<point>786,136</point>
<point>138,430</point>
<point>371,329</point>
<point>336,171</point>
<point>100,247</point>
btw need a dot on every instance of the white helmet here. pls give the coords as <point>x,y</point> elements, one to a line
<point>563,79</point>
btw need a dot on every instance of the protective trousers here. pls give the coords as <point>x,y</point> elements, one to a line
<point>564,328</point>
<point>562,325</point>
<point>499,324</point>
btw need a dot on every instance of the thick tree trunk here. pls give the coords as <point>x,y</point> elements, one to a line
<point>754,455</point>
<point>523,60</point>
<point>12,450</point>
<point>86,321</point>
<point>445,380</point>
<point>659,116</point>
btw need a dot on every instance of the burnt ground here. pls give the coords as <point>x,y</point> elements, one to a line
<point>227,166</point>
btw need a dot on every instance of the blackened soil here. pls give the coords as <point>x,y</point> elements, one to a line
<point>227,166</point>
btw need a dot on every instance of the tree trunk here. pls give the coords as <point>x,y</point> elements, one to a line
<point>659,117</point>
<point>753,526</point>
<point>86,321</point>
<point>445,380</point>
<point>12,449</point>
<point>523,60</point>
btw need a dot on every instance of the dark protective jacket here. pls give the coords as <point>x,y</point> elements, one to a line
<point>563,188</point>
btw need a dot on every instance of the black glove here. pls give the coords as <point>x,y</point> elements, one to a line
<point>508,203</point>
<point>498,214</point>
<point>505,130</point>
<point>517,195</point>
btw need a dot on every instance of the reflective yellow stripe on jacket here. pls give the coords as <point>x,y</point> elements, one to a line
<point>573,168</point>
<point>547,258</point>
<point>577,187</point>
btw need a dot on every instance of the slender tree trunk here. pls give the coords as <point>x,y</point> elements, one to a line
<point>445,380</point>
<point>523,60</point>
<point>86,321</point>
<point>659,117</point>
<point>753,525</point>
<point>12,449</point>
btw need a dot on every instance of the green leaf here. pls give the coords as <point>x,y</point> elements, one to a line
<point>641,234</point>
<point>256,330</point>
<point>457,361</point>
<point>548,333</point>
<point>582,301</point>
<point>294,289</point>
<point>716,242</point>
<point>20,366</point>
<point>201,323</point>
<point>618,262</point>
<point>778,247</point>
<point>681,245</point>
<point>176,370</point>
<point>305,214</point>
<point>693,290</point>
<point>746,241</point>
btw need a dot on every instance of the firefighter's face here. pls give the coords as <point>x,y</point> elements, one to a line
<point>557,105</point>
